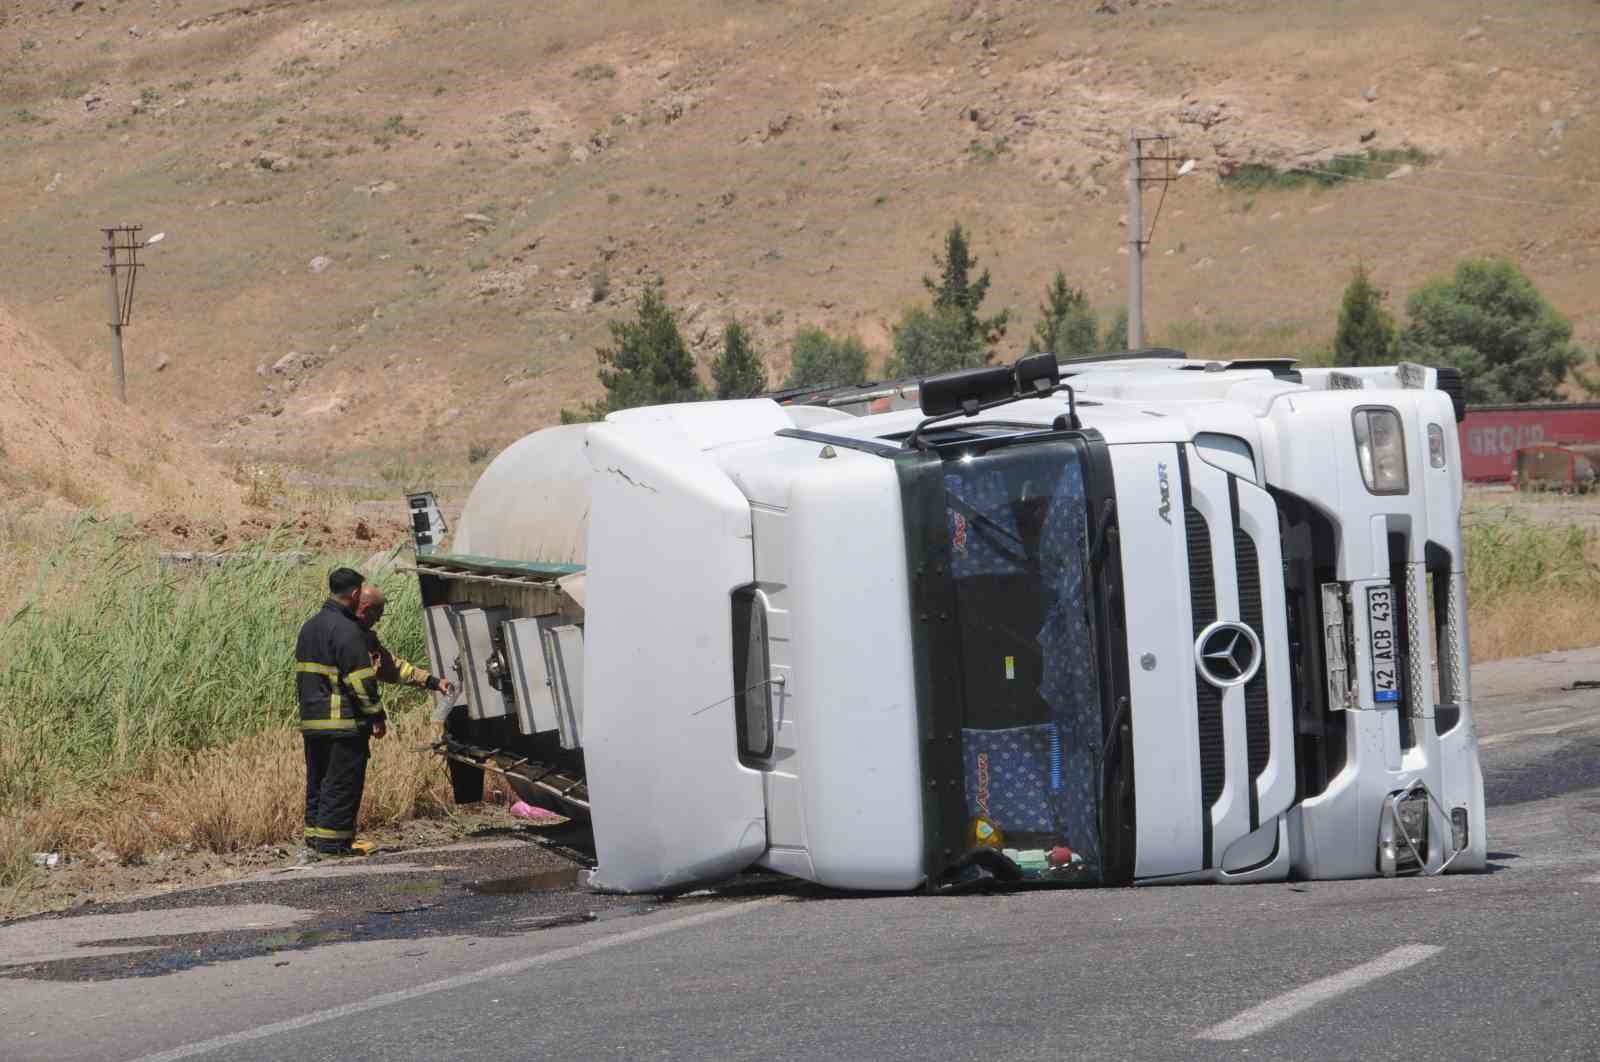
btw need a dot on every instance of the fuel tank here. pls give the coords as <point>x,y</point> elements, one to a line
<point>532,503</point>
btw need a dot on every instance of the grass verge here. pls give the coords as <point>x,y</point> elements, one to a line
<point>145,707</point>
<point>1531,587</point>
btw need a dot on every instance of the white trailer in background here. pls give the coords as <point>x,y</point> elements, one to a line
<point>1139,619</point>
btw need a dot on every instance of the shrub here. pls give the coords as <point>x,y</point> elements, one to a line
<point>738,371</point>
<point>1489,321</point>
<point>930,342</point>
<point>819,359</point>
<point>1375,164</point>
<point>1116,337</point>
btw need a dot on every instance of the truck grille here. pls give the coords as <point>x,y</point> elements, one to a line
<point>1208,699</point>
<point>1258,738</point>
<point>1241,567</point>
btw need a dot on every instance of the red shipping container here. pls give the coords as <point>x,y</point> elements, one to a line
<point>1491,435</point>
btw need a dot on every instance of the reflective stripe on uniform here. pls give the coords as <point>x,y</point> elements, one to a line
<point>356,680</point>
<point>329,724</point>
<point>407,669</point>
<point>335,701</point>
<point>329,835</point>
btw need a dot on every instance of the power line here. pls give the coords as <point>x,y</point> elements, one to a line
<point>1470,173</point>
<point>1444,191</point>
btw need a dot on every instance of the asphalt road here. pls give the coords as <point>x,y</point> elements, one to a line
<point>488,952</point>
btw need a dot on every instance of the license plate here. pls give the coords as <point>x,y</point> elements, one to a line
<point>1385,654</point>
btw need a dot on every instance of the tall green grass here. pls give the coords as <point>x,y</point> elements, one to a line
<point>114,660</point>
<point>1508,557</point>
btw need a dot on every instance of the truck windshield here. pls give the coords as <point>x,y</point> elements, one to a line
<point>1011,690</point>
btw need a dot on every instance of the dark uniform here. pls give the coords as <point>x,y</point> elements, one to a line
<point>396,669</point>
<point>337,684</point>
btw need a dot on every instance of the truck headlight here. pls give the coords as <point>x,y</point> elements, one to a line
<point>1381,449</point>
<point>1436,455</point>
<point>1403,832</point>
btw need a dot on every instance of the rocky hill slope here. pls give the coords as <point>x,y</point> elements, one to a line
<point>64,446</point>
<point>439,206</point>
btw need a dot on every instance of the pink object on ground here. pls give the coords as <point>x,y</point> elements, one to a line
<point>523,810</point>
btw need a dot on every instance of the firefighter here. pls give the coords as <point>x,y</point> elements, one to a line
<point>390,668</point>
<point>337,685</point>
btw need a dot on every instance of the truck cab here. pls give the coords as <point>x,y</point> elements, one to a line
<point>1131,620</point>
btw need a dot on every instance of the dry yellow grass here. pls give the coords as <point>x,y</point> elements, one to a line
<point>229,799</point>
<point>1533,586</point>
<point>145,709</point>
<point>1525,624</point>
<point>239,796</point>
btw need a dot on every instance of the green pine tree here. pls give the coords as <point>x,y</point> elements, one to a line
<point>647,363</point>
<point>1067,326</point>
<point>958,293</point>
<point>1366,330</point>
<point>738,372</point>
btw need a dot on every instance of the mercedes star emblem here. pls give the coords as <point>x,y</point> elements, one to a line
<point>1227,654</point>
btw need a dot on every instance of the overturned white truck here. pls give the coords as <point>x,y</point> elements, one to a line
<point>1132,620</point>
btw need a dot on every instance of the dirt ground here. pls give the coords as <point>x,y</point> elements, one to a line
<point>100,878</point>
<point>1503,503</point>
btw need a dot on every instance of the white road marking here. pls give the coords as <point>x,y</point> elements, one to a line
<point>488,973</point>
<point>1281,1008</point>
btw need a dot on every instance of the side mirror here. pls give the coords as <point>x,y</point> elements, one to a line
<point>966,391</point>
<point>1037,374</point>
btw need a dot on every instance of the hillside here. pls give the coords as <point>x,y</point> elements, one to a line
<point>421,199</point>
<point>64,446</point>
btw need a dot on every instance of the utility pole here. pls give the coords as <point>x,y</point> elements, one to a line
<point>1135,247</point>
<point>122,268</point>
<point>1137,239</point>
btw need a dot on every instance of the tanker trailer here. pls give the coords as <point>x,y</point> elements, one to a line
<point>1132,621</point>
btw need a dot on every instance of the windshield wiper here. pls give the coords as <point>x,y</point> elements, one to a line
<point>1102,536</point>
